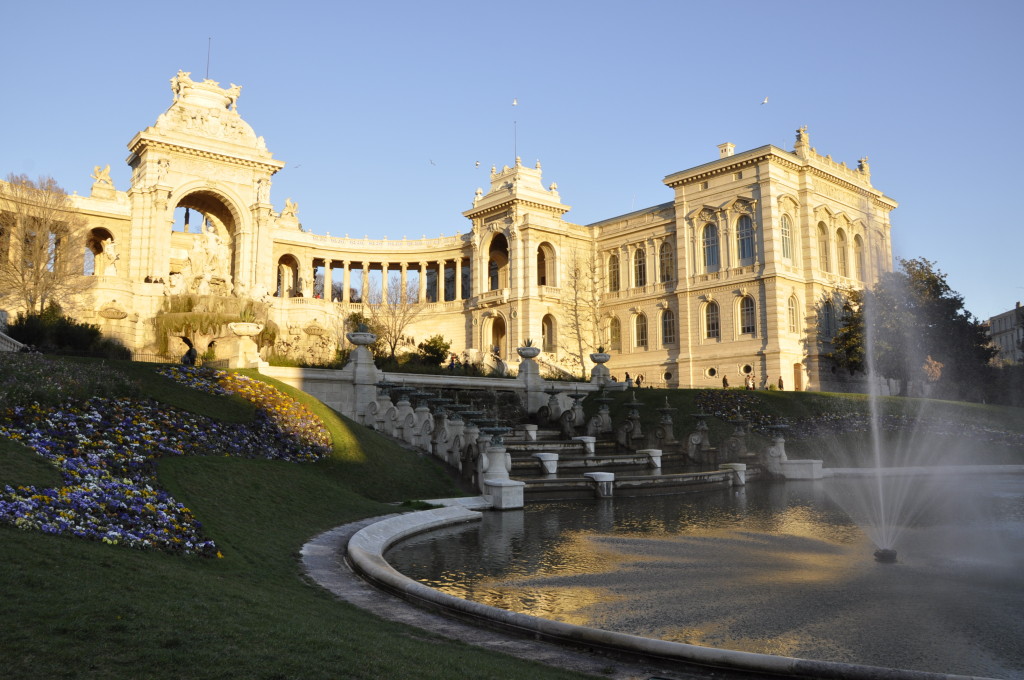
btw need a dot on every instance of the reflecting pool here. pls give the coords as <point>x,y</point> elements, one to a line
<point>774,568</point>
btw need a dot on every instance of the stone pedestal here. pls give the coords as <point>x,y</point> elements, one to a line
<point>801,469</point>
<point>654,455</point>
<point>531,432</point>
<point>589,444</point>
<point>495,464</point>
<point>604,483</point>
<point>505,494</point>
<point>739,470</point>
<point>548,461</point>
<point>361,374</point>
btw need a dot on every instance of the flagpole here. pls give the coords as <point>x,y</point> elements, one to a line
<point>515,134</point>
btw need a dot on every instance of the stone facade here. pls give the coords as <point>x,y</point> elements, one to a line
<point>742,272</point>
<point>1007,333</point>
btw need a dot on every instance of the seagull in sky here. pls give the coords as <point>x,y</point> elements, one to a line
<point>432,162</point>
<point>764,101</point>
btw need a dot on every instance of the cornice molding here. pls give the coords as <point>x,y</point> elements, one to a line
<point>272,165</point>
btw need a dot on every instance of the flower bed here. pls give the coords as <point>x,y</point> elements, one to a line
<point>105,450</point>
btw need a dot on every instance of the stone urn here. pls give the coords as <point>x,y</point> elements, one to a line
<point>600,357</point>
<point>361,338</point>
<point>528,352</point>
<point>245,329</point>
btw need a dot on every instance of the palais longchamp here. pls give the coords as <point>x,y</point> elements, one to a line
<point>740,275</point>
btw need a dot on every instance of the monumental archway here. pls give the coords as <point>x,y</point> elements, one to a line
<point>203,240</point>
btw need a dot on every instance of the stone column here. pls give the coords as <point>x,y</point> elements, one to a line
<point>629,279</point>
<point>725,244</point>
<point>423,282</point>
<point>345,281</point>
<point>458,278</point>
<point>404,284</point>
<point>440,280</point>
<point>384,266</point>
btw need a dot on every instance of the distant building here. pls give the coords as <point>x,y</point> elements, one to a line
<point>1007,332</point>
<point>741,272</point>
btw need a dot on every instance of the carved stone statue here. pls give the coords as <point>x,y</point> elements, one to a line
<point>233,92</point>
<point>102,175</point>
<point>290,208</point>
<point>109,259</point>
<point>181,83</point>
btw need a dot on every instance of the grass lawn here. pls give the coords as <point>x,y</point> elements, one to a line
<point>78,609</point>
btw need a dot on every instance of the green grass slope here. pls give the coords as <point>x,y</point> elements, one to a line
<point>78,609</point>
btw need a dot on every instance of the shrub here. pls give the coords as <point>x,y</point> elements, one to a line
<point>433,350</point>
<point>52,331</point>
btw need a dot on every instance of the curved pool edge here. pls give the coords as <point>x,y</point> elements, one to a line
<point>365,553</point>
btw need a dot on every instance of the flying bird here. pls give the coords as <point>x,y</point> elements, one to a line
<point>764,101</point>
<point>432,162</point>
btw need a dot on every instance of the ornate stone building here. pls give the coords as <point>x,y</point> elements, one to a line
<point>742,272</point>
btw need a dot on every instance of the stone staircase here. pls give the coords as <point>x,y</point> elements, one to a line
<point>554,468</point>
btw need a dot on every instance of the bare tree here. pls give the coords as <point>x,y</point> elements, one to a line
<point>39,231</point>
<point>581,300</point>
<point>392,313</point>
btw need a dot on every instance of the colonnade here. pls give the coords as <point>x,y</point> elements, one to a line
<point>306,275</point>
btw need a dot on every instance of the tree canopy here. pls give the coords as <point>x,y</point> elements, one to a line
<point>914,327</point>
<point>39,263</point>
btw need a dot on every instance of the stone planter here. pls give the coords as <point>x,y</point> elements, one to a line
<point>528,352</point>
<point>600,357</point>
<point>245,329</point>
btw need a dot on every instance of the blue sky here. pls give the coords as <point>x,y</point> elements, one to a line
<point>382,110</point>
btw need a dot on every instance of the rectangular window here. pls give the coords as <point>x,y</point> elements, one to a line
<point>703,186</point>
<point>737,175</point>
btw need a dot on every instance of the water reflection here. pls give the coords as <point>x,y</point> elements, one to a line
<point>773,568</point>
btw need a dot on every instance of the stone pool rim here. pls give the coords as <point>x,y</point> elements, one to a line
<point>365,554</point>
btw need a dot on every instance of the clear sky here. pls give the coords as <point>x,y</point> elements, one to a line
<point>382,110</point>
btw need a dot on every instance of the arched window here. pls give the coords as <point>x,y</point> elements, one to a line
<point>615,334</point>
<point>712,330</point>
<point>792,315</point>
<point>546,265</point>
<point>823,248</point>
<point>288,277</point>
<point>787,238</point>
<point>640,326</point>
<point>748,318</point>
<point>668,327</point>
<point>547,333</point>
<point>827,320</point>
<point>841,259</point>
<point>640,267</point>
<point>493,282</point>
<point>710,241</point>
<point>613,273</point>
<point>498,263</point>
<point>745,239</point>
<point>666,263</point>
<point>858,256</point>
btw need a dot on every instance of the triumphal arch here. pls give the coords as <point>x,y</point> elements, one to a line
<point>740,274</point>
